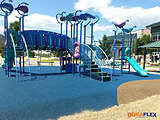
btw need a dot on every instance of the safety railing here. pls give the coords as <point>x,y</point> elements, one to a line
<point>24,51</point>
<point>104,59</point>
<point>86,54</point>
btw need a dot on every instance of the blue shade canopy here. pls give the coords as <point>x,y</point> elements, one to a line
<point>62,18</point>
<point>128,30</point>
<point>22,8</point>
<point>85,16</point>
<point>7,6</point>
<point>121,25</point>
<point>76,18</point>
<point>69,17</point>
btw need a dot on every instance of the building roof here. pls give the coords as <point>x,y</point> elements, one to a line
<point>153,25</point>
<point>151,45</point>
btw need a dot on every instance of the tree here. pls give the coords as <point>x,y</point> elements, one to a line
<point>2,45</point>
<point>142,41</point>
<point>14,26</point>
<point>105,44</point>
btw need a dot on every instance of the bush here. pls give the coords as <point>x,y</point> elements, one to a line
<point>31,54</point>
<point>2,53</point>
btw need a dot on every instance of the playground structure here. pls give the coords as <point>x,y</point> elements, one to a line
<point>15,50</point>
<point>84,59</point>
<point>76,56</point>
<point>124,50</point>
<point>89,56</point>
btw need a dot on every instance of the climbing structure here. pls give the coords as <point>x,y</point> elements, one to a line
<point>90,57</point>
<point>124,50</point>
<point>84,59</point>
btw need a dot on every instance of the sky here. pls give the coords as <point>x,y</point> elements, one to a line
<point>42,13</point>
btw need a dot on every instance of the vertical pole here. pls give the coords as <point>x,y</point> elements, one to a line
<point>91,39</point>
<point>84,34</point>
<point>130,46</point>
<point>84,42</point>
<point>77,32</point>
<point>71,30</point>
<point>22,29</point>
<point>76,41</point>
<point>144,62</point>
<point>114,48</point>
<point>134,44</point>
<point>74,27</point>
<point>61,26</point>
<point>20,44</point>
<point>71,37</point>
<point>6,44</point>
<point>70,42</point>
<point>22,23</point>
<point>123,38</point>
<point>81,25</point>
<point>66,41</point>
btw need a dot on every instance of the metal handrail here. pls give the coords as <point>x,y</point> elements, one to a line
<point>95,58</point>
<point>27,51</point>
<point>15,54</point>
<point>106,59</point>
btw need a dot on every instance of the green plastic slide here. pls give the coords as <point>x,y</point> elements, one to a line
<point>136,67</point>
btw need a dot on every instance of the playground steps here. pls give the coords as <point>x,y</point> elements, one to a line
<point>95,72</point>
<point>20,53</point>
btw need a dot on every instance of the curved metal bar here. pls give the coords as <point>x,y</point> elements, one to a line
<point>23,4</point>
<point>1,4</point>
<point>1,15</point>
<point>88,22</point>
<point>62,16</point>
<point>115,30</point>
<point>96,20</point>
<point>78,11</point>
<point>76,15</point>
<point>71,22</point>
<point>79,21</point>
<point>63,13</point>
<point>15,54</point>
<point>59,14</point>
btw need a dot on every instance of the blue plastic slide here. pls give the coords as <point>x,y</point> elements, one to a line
<point>136,67</point>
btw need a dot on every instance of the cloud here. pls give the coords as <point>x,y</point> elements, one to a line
<point>96,4</point>
<point>35,22</point>
<point>1,29</point>
<point>103,28</point>
<point>137,15</point>
<point>42,22</point>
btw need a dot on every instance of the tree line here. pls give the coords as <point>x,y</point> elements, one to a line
<point>106,43</point>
